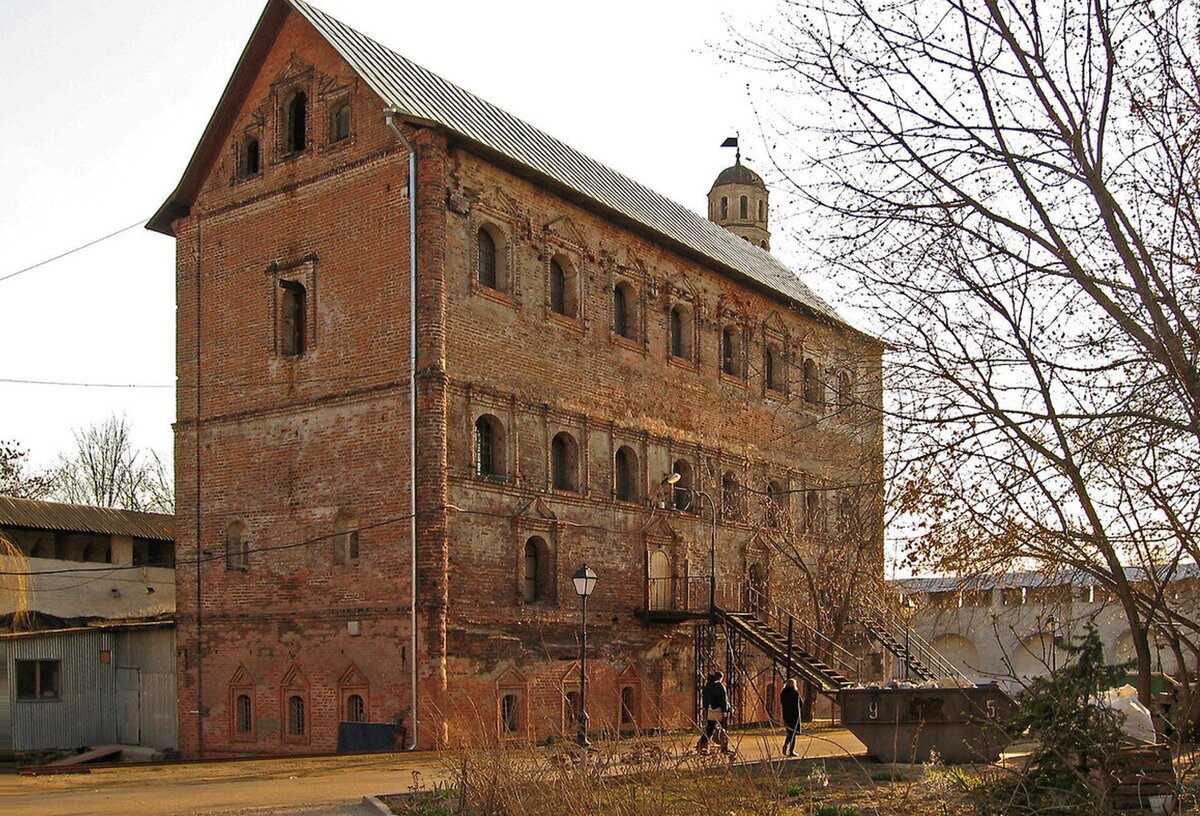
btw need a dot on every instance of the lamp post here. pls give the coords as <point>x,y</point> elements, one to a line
<point>585,581</point>
<point>673,479</point>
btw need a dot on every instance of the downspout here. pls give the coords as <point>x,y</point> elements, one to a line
<point>199,548</point>
<point>389,117</point>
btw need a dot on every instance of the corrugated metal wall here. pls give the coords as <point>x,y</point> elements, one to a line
<point>88,711</point>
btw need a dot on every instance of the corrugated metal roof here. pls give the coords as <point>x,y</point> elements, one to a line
<point>422,94</point>
<point>78,518</point>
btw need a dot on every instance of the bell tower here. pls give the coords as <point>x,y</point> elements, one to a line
<point>738,202</point>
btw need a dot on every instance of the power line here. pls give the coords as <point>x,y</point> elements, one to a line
<point>11,275</point>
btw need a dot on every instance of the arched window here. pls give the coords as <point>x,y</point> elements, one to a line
<point>731,496</point>
<point>486,252</point>
<point>745,208</point>
<point>724,208</point>
<point>624,317</point>
<point>812,383</point>
<point>684,500</point>
<point>730,351</point>
<point>243,714</point>
<point>762,210</point>
<point>814,521</point>
<point>489,447</point>
<point>681,332</point>
<point>297,123</point>
<point>339,123</point>
<point>845,391</point>
<point>509,714</point>
<point>237,553</point>
<point>293,305</point>
<point>295,713</point>
<point>251,160</point>
<point>625,473</point>
<point>773,366</point>
<point>537,570</point>
<point>564,462</point>
<point>345,539</point>
<point>775,498</point>
<point>558,288</point>
<point>356,709</point>
<point>846,521</point>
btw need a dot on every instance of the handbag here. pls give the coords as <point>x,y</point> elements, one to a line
<point>715,715</point>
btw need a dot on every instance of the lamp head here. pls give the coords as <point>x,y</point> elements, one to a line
<point>672,478</point>
<point>584,580</point>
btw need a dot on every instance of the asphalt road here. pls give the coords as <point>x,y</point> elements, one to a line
<point>324,786</point>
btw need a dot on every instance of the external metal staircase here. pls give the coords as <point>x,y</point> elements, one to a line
<point>923,661</point>
<point>790,657</point>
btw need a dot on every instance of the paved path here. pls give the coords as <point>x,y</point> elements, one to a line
<point>326,786</point>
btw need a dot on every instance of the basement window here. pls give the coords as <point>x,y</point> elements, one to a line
<point>39,679</point>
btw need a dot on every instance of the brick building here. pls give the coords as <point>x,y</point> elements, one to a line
<point>578,337</point>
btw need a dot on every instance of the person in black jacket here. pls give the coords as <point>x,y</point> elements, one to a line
<point>789,704</point>
<point>715,705</point>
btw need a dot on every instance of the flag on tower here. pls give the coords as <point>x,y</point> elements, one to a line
<point>732,141</point>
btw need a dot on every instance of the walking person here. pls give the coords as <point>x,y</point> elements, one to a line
<point>789,704</point>
<point>714,703</point>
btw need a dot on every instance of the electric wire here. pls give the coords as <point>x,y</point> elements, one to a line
<point>79,248</point>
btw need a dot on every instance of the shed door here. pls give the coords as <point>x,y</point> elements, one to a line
<point>129,706</point>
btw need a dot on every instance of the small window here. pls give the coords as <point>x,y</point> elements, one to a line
<point>846,516</point>
<point>537,570</point>
<point>845,392</point>
<point>730,351</point>
<point>244,714</point>
<point>814,390</point>
<point>731,497</point>
<point>724,208</point>
<point>292,317</point>
<point>237,550</point>
<point>250,160</point>
<point>625,473</point>
<point>624,318</point>
<point>628,705</point>
<point>486,251</point>
<point>345,540</point>
<point>563,286</point>
<point>489,448</point>
<point>775,499</point>
<point>297,123</point>
<point>681,333</point>
<point>774,369</point>
<point>762,210</point>
<point>745,205</point>
<point>814,520</point>
<point>564,462</point>
<point>339,123</point>
<point>39,679</point>
<point>571,711</point>
<point>295,712</point>
<point>509,714</point>
<point>356,709</point>
<point>683,497</point>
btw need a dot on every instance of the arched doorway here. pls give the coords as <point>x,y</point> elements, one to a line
<point>660,580</point>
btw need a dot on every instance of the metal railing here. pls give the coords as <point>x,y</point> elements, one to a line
<point>806,637</point>
<point>890,622</point>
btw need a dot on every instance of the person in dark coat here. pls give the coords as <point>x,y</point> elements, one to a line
<point>715,705</point>
<point>789,704</point>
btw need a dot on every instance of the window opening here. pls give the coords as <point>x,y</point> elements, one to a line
<point>356,709</point>
<point>724,208</point>
<point>622,322</point>
<point>563,462</point>
<point>680,347</point>
<point>625,464</point>
<point>39,679</point>
<point>486,459</point>
<point>745,203</point>
<point>558,288</point>
<point>297,123</point>
<point>296,715</point>
<point>729,357</point>
<point>762,210</point>
<point>487,259</point>
<point>292,312</point>
<point>774,372</point>
<point>237,551</point>
<point>251,162</point>
<point>683,487</point>
<point>345,541</point>
<point>508,714</point>
<point>531,571</point>
<point>731,497</point>
<point>812,383</point>
<point>844,395</point>
<point>572,708</point>
<point>244,714</point>
<point>812,511</point>
<point>628,701</point>
<point>774,503</point>
<point>340,123</point>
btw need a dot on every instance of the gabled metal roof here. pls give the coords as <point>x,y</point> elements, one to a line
<point>78,518</point>
<point>423,96</point>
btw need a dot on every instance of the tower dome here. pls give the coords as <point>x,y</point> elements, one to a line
<point>738,202</point>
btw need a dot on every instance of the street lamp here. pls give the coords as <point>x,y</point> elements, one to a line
<point>585,581</point>
<point>673,479</point>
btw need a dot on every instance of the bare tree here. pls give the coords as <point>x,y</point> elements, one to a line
<point>106,470</point>
<point>1012,186</point>
<point>15,478</point>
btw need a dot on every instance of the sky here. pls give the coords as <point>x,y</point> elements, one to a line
<point>105,103</point>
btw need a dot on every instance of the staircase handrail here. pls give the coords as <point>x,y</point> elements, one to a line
<point>842,659</point>
<point>924,651</point>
